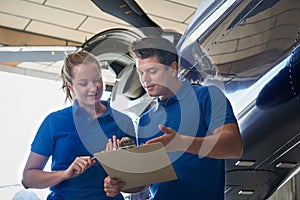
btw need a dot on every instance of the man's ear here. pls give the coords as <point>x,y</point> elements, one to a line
<point>174,67</point>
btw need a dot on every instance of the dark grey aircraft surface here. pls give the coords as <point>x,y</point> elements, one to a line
<point>248,48</point>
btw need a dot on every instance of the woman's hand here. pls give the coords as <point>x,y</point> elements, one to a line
<point>113,144</point>
<point>79,165</point>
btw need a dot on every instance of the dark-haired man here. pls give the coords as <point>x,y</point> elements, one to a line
<point>195,123</point>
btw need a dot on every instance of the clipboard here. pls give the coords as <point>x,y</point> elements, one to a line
<point>139,165</point>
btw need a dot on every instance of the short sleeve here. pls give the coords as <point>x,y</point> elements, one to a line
<point>218,109</point>
<point>43,142</point>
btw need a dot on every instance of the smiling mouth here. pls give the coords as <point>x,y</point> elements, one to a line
<point>93,95</point>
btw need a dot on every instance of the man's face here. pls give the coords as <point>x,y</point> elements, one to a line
<point>155,77</point>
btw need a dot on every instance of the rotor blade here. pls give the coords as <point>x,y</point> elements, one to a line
<point>131,12</point>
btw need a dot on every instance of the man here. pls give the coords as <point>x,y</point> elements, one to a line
<point>196,124</point>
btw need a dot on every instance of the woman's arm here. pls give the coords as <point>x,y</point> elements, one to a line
<point>35,177</point>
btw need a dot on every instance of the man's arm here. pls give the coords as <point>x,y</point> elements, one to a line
<point>225,142</point>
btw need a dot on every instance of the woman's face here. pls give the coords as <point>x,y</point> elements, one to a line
<point>87,84</point>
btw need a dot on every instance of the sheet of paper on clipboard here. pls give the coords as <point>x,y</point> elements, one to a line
<point>138,166</point>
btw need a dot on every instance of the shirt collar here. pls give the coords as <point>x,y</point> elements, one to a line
<point>77,110</point>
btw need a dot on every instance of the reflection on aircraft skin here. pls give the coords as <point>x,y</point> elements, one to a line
<point>284,86</point>
<point>252,53</point>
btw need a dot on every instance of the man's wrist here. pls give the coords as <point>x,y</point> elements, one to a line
<point>185,142</point>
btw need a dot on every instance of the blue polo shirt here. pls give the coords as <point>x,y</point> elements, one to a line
<point>194,111</point>
<point>71,132</point>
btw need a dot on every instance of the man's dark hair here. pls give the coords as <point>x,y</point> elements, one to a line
<point>154,46</point>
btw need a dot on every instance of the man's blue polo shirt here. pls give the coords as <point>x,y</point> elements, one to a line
<point>195,111</point>
<point>70,132</point>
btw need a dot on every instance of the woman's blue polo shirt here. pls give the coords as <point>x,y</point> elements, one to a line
<point>194,111</point>
<point>71,132</point>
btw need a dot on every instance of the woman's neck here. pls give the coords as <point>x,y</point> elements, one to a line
<point>96,110</point>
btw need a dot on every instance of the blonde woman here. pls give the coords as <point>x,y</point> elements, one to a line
<point>71,135</point>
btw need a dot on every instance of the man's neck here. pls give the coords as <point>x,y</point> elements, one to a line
<point>175,87</point>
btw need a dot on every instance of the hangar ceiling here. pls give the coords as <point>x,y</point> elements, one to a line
<point>49,25</point>
<point>71,22</point>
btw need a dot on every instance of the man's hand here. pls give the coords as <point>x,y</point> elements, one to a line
<point>225,142</point>
<point>172,140</point>
<point>112,187</point>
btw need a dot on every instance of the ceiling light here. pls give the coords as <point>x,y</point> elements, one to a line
<point>245,163</point>
<point>246,192</point>
<point>286,165</point>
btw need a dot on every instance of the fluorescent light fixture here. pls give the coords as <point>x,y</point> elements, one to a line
<point>246,192</point>
<point>286,165</point>
<point>38,48</point>
<point>245,163</point>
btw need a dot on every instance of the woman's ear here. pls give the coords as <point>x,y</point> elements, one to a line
<point>69,86</point>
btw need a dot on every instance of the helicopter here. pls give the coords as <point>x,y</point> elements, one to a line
<point>251,51</point>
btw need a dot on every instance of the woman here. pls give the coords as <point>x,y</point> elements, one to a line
<point>72,135</point>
